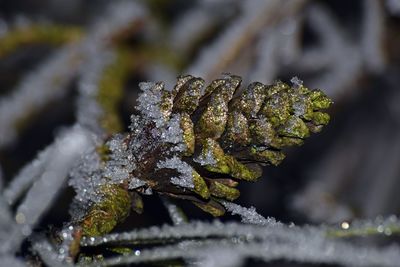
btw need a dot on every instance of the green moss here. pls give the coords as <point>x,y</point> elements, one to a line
<point>226,164</point>
<point>237,129</point>
<point>188,96</point>
<point>277,109</point>
<point>107,213</point>
<point>200,186</point>
<point>213,120</point>
<point>319,100</point>
<point>294,127</point>
<point>268,156</point>
<point>223,191</point>
<point>186,125</point>
<point>211,207</point>
<point>320,118</point>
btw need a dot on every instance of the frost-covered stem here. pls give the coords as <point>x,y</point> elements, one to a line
<point>192,25</point>
<point>26,176</point>
<point>89,111</point>
<point>363,228</point>
<point>62,155</point>
<point>11,261</point>
<point>47,253</point>
<point>373,32</point>
<point>267,243</point>
<point>5,214</point>
<point>48,82</point>
<point>248,215</point>
<point>256,14</point>
<point>43,85</point>
<point>176,214</point>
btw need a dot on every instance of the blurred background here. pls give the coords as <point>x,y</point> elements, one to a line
<point>349,49</point>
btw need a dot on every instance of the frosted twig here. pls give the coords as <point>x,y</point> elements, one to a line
<point>214,58</point>
<point>277,47</point>
<point>271,242</point>
<point>64,152</point>
<point>373,31</point>
<point>393,6</point>
<point>380,226</point>
<point>6,220</point>
<point>175,213</point>
<point>49,81</point>
<point>46,83</point>
<point>249,215</point>
<point>5,215</point>
<point>11,261</point>
<point>196,22</point>
<point>26,176</point>
<point>266,65</point>
<point>1,179</point>
<point>89,111</point>
<point>344,62</point>
<point>120,16</point>
<point>47,253</point>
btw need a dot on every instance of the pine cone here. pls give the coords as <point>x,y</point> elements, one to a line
<point>197,144</point>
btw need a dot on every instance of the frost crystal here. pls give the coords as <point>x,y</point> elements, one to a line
<point>121,162</point>
<point>86,177</point>
<point>297,83</point>
<point>185,179</point>
<point>43,85</point>
<point>149,101</point>
<point>206,158</point>
<point>136,183</point>
<point>249,215</point>
<point>172,133</point>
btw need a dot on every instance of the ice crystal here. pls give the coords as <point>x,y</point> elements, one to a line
<point>149,101</point>
<point>248,215</point>
<point>172,133</point>
<point>205,159</point>
<point>121,163</point>
<point>297,82</point>
<point>136,183</point>
<point>185,179</point>
<point>87,176</point>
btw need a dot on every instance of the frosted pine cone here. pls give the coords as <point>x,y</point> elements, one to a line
<point>197,144</point>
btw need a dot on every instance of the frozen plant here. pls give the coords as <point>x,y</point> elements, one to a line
<point>191,143</point>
